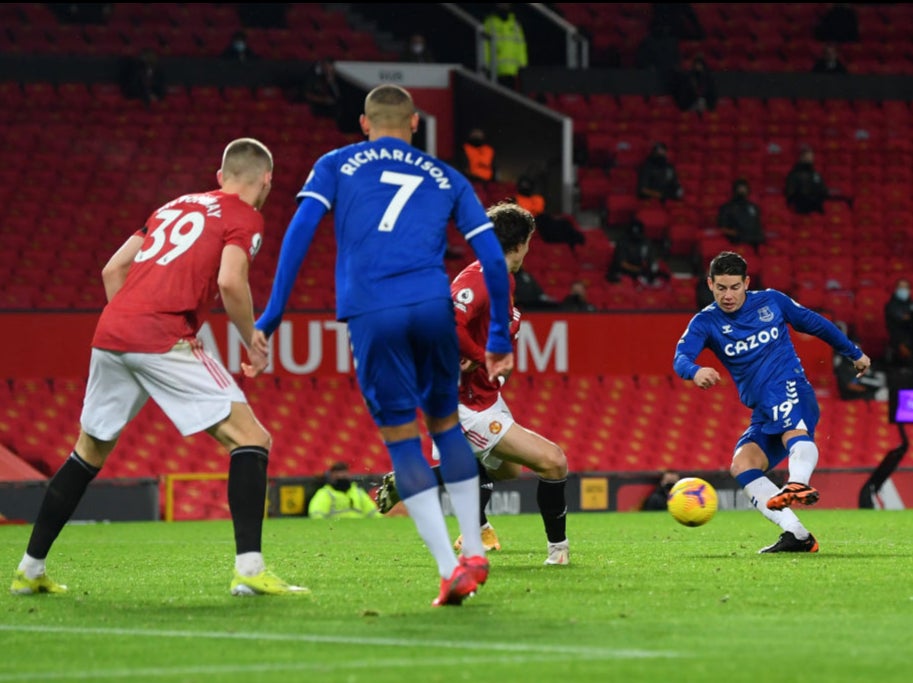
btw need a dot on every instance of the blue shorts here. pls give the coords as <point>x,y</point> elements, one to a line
<point>787,405</point>
<point>407,357</point>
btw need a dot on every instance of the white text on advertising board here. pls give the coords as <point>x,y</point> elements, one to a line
<point>327,348</point>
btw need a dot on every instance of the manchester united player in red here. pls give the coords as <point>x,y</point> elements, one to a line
<point>160,285</point>
<point>502,446</point>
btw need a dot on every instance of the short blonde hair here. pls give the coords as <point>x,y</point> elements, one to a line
<point>389,106</point>
<point>245,159</point>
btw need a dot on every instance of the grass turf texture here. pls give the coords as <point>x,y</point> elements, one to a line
<point>645,599</point>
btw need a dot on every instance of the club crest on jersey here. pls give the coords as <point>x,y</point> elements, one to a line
<point>765,314</point>
<point>495,427</point>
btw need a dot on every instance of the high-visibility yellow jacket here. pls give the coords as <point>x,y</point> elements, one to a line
<point>355,503</point>
<point>509,43</point>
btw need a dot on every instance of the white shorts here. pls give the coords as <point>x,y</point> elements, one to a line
<point>191,387</point>
<point>484,429</point>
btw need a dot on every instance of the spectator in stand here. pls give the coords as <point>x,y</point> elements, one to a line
<point>143,78</point>
<point>637,258</point>
<point>509,43</point>
<point>576,300</point>
<point>529,295</point>
<point>659,51</point>
<point>657,177</point>
<point>839,24</point>
<point>659,497</point>
<point>695,88</point>
<point>740,218</point>
<point>805,190</point>
<point>321,92</point>
<point>554,229</point>
<point>870,386</point>
<point>476,158</point>
<point>829,62</point>
<point>238,50</point>
<point>898,316</point>
<point>341,498</point>
<point>417,51</point>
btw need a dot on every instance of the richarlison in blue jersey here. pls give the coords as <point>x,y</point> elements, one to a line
<point>392,207</point>
<point>748,332</point>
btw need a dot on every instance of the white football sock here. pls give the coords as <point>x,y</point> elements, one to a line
<point>32,567</point>
<point>249,564</point>
<point>803,457</point>
<point>759,492</point>
<point>425,510</point>
<point>464,496</point>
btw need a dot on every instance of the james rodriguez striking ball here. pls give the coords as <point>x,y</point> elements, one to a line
<point>692,501</point>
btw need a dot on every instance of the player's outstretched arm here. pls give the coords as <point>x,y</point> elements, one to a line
<point>294,248</point>
<point>497,281</point>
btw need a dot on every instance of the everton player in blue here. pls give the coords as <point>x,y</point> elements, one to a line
<point>393,205</point>
<point>748,332</point>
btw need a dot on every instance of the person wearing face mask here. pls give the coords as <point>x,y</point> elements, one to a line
<point>553,228</point>
<point>238,49</point>
<point>341,498</point>
<point>740,218</point>
<point>417,51</point>
<point>695,87</point>
<point>506,45</point>
<point>898,315</point>
<point>805,189</point>
<point>636,257</point>
<point>476,157</point>
<point>657,177</point>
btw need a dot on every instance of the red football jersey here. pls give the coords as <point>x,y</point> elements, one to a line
<point>470,298</point>
<point>172,283</point>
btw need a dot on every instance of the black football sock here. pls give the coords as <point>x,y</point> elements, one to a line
<point>437,475</point>
<point>65,490</point>
<point>553,508</point>
<point>247,496</point>
<point>486,488</point>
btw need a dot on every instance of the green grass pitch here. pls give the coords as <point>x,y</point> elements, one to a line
<point>644,599</point>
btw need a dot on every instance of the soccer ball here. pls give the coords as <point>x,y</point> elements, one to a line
<point>692,501</point>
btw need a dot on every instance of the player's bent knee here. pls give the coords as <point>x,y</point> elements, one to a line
<point>92,450</point>
<point>553,464</point>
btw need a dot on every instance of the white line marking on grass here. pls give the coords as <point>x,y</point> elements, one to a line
<point>325,667</point>
<point>524,653</point>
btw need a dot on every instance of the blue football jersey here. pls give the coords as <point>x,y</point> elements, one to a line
<point>393,204</point>
<point>753,343</point>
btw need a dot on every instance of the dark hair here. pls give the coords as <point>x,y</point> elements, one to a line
<point>728,263</point>
<point>338,467</point>
<point>513,224</point>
